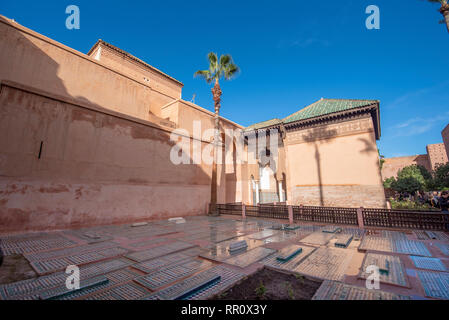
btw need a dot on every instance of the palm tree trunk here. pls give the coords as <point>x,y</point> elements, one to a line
<point>216,92</point>
<point>445,12</point>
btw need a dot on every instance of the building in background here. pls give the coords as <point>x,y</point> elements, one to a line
<point>445,135</point>
<point>391,166</point>
<point>86,139</point>
<point>327,156</point>
<point>436,154</point>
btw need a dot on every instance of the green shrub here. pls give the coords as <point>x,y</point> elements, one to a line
<point>410,205</point>
<point>261,290</point>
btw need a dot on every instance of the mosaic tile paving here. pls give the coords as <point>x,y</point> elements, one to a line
<point>21,244</point>
<point>172,273</point>
<point>428,263</point>
<point>171,261</point>
<point>376,243</point>
<point>411,247</point>
<point>281,237</point>
<point>228,279</point>
<point>159,251</point>
<point>114,278</point>
<point>421,234</point>
<point>220,251</point>
<point>249,227</point>
<point>326,263</point>
<point>32,287</point>
<point>394,244</point>
<point>333,290</point>
<point>60,263</point>
<point>62,290</point>
<point>396,272</point>
<point>343,240</point>
<point>146,243</point>
<point>238,246</point>
<point>104,267</point>
<point>437,235</point>
<point>127,291</point>
<point>291,227</point>
<point>318,238</point>
<point>187,287</point>
<point>444,248</point>
<point>61,253</point>
<point>262,234</point>
<point>290,265</point>
<point>88,235</point>
<point>435,284</point>
<point>152,297</point>
<point>393,234</point>
<point>331,229</point>
<point>356,232</point>
<point>287,253</point>
<point>157,263</point>
<point>245,259</point>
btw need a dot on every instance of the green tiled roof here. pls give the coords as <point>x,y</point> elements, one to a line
<point>263,124</point>
<point>327,106</point>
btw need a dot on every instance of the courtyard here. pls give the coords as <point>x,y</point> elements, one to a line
<point>203,257</point>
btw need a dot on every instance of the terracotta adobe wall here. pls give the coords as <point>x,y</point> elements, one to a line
<point>94,167</point>
<point>335,165</point>
<point>39,62</point>
<point>163,90</point>
<point>101,161</point>
<point>391,166</point>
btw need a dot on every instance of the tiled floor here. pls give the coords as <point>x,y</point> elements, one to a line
<point>191,260</point>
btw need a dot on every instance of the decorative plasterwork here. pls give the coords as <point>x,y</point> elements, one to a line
<point>330,131</point>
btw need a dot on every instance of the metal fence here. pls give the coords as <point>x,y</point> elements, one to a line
<point>347,216</point>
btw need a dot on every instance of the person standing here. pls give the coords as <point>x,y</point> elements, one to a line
<point>434,200</point>
<point>444,201</point>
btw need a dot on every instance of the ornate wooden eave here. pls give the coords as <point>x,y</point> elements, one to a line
<point>335,117</point>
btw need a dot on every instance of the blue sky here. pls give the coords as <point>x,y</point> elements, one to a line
<point>291,54</point>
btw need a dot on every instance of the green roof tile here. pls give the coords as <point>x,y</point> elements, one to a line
<point>263,124</point>
<point>327,106</point>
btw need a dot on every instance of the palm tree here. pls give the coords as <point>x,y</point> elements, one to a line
<point>223,68</point>
<point>444,10</point>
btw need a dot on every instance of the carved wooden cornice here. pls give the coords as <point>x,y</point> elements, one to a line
<point>310,134</point>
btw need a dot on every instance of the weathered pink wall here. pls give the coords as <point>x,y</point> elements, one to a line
<point>391,166</point>
<point>29,58</point>
<point>95,167</point>
<point>163,88</point>
<point>101,161</point>
<point>335,165</point>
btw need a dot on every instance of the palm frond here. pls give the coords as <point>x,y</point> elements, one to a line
<point>205,74</point>
<point>225,59</point>
<point>230,71</point>
<point>223,68</point>
<point>213,62</point>
<point>439,1</point>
